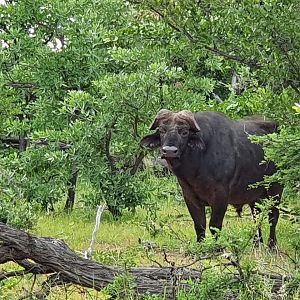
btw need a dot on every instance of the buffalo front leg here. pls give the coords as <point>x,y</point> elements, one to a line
<point>217,216</point>
<point>197,212</point>
<point>196,208</point>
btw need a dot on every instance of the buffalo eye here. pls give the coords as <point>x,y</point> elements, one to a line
<point>184,132</point>
<point>162,130</point>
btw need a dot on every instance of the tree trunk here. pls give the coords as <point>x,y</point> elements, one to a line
<point>71,190</point>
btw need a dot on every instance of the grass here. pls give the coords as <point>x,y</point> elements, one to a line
<point>118,243</point>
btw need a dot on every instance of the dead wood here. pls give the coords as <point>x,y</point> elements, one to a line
<point>43,255</point>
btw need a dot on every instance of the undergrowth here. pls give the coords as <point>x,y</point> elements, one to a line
<point>131,241</point>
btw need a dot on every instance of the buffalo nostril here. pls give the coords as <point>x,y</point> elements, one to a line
<point>169,150</point>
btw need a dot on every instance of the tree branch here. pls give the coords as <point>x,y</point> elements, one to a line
<point>108,138</point>
<point>22,85</point>
<point>39,255</point>
<point>137,163</point>
<point>250,63</point>
<point>14,142</point>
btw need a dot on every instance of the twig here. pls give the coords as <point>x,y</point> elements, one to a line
<point>235,263</point>
<point>6,275</point>
<point>176,235</point>
<point>171,263</point>
<point>294,261</point>
<point>52,281</point>
<point>153,260</point>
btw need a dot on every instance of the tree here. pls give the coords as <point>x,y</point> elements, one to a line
<point>261,35</point>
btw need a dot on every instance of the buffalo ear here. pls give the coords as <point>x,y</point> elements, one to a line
<point>151,141</point>
<point>162,114</point>
<point>196,141</point>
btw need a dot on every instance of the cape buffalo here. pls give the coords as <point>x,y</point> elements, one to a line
<point>215,162</point>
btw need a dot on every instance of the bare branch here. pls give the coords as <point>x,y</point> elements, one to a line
<point>89,252</point>
<point>137,163</point>
<point>14,142</point>
<point>22,85</point>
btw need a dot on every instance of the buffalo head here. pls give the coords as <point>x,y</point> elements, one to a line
<point>175,131</point>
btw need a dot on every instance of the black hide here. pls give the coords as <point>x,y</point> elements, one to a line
<point>216,163</point>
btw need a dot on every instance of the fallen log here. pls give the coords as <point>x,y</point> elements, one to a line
<point>43,255</point>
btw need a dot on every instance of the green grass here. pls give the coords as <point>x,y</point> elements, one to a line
<point>117,242</point>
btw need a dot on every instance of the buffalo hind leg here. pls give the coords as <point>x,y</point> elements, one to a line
<point>258,240</point>
<point>274,193</point>
<point>273,219</point>
<point>217,216</point>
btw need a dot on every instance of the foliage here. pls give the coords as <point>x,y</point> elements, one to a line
<point>19,213</point>
<point>283,148</point>
<point>121,288</point>
<point>13,209</point>
<point>80,87</point>
<point>259,35</point>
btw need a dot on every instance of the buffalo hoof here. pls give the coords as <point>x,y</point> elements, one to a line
<point>200,238</point>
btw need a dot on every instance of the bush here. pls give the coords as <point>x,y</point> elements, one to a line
<point>18,213</point>
<point>283,149</point>
<point>14,209</point>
